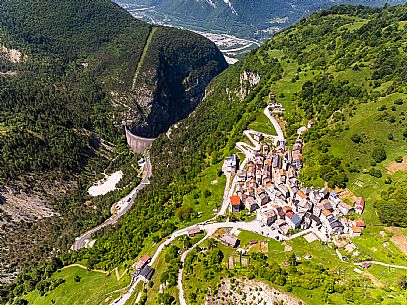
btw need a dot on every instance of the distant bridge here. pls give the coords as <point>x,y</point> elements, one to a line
<point>136,143</point>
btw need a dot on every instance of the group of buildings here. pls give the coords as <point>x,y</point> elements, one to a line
<point>143,270</point>
<point>268,186</point>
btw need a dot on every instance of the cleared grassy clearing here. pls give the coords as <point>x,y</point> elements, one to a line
<point>92,289</point>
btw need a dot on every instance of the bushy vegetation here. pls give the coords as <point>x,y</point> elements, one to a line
<point>61,112</point>
<point>392,206</point>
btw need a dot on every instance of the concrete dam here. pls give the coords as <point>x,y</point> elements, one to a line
<point>136,143</point>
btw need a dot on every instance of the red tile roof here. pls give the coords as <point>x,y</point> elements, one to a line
<point>302,195</point>
<point>235,200</point>
<point>287,208</point>
<point>360,223</point>
<point>356,229</point>
<point>360,201</point>
<point>326,212</point>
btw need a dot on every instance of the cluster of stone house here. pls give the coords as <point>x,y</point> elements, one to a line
<point>269,186</point>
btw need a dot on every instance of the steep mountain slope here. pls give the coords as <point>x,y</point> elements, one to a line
<point>67,79</point>
<point>250,19</point>
<point>345,70</point>
<point>342,68</point>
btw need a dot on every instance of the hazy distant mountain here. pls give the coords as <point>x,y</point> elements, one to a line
<point>246,18</point>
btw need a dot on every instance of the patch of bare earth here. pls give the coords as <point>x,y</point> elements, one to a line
<point>395,167</point>
<point>398,238</point>
<point>244,291</point>
<point>13,55</point>
<point>23,207</point>
<point>374,280</point>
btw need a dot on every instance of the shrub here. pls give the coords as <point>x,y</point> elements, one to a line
<point>356,138</point>
<point>375,172</point>
<point>379,154</point>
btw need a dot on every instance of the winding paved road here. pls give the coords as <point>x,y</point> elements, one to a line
<point>126,203</point>
<point>383,264</point>
<point>210,228</point>
<point>277,126</point>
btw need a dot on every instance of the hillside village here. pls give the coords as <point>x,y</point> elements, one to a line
<point>268,186</point>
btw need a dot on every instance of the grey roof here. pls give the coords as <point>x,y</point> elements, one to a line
<point>336,224</point>
<point>147,272</point>
<point>332,218</point>
<point>296,219</point>
<point>316,219</point>
<point>229,240</point>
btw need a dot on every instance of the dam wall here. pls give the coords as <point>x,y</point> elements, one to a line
<point>138,144</point>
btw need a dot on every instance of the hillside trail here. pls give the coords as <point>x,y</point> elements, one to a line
<point>86,268</point>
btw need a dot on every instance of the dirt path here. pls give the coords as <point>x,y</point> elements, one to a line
<point>374,280</point>
<point>86,268</point>
<point>398,238</point>
<point>118,276</point>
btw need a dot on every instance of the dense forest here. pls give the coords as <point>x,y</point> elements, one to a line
<point>66,79</point>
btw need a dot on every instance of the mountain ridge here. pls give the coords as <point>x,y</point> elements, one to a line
<point>253,19</point>
<point>67,70</point>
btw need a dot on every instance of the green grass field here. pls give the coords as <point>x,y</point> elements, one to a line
<point>207,180</point>
<point>160,266</point>
<point>354,25</point>
<point>285,87</point>
<point>372,245</point>
<point>365,122</point>
<point>144,54</point>
<point>262,124</point>
<point>246,236</point>
<point>93,288</point>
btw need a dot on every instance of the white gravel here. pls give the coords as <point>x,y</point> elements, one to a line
<point>105,185</point>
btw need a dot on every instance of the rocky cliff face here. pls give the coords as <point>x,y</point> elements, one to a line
<point>173,81</point>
